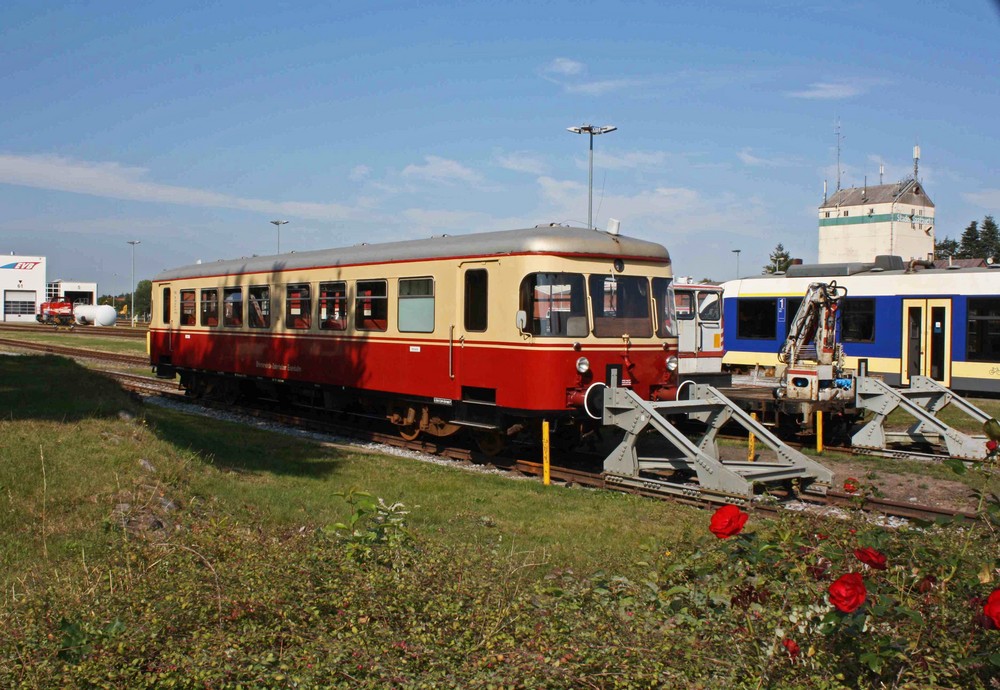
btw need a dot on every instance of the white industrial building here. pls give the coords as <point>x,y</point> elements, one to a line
<point>71,291</point>
<point>22,283</point>
<point>860,223</point>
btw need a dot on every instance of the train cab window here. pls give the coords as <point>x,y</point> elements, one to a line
<point>983,337</point>
<point>298,307</point>
<point>210,307</point>
<point>333,306</point>
<point>857,320</point>
<point>756,318</point>
<point>684,305</point>
<point>476,302</point>
<point>371,305</point>
<point>260,306</point>
<point>556,304</point>
<point>188,308</point>
<point>166,307</point>
<point>709,306</point>
<point>232,307</point>
<point>666,312</point>
<point>416,305</point>
<point>620,305</point>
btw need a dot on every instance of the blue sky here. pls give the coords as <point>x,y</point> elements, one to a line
<point>189,126</point>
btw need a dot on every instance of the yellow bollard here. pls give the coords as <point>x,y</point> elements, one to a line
<point>546,480</point>
<point>752,442</point>
<point>819,431</point>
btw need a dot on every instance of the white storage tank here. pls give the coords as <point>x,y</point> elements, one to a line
<point>95,315</point>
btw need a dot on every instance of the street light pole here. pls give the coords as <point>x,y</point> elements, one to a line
<point>278,224</point>
<point>591,130</point>
<point>132,314</point>
<point>737,253</point>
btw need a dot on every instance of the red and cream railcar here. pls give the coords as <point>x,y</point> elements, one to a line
<point>482,331</point>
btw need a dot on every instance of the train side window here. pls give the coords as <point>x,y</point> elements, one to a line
<point>556,304</point>
<point>476,299</point>
<point>232,307</point>
<point>333,306</point>
<point>166,307</point>
<point>684,305</point>
<point>620,305</point>
<point>416,305</point>
<point>791,309</point>
<point>260,306</point>
<point>188,308</point>
<point>210,307</point>
<point>983,335</point>
<point>298,307</point>
<point>757,318</point>
<point>857,320</point>
<point>665,299</point>
<point>709,306</point>
<point>371,305</point>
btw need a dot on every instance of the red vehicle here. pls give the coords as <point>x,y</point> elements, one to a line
<point>489,332</point>
<point>56,313</point>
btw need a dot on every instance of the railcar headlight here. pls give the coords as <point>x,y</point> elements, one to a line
<point>671,363</point>
<point>583,365</point>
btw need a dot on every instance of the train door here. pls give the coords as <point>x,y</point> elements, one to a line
<point>926,347</point>
<point>169,319</point>
<point>699,319</point>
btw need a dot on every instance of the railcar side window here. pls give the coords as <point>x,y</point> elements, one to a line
<point>260,306</point>
<point>166,307</point>
<point>620,305</point>
<point>792,305</point>
<point>983,341</point>
<point>371,305</point>
<point>666,299</point>
<point>298,307</point>
<point>333,306</point>
<point>757,318</point>
<point>556,304</point>
<point>684,305</point>
<point>476,302</point>
<point>416,305</point>
<point>857,320</point>
<point>188,308</point>
<point>210,307</point>
<point>232,307</point>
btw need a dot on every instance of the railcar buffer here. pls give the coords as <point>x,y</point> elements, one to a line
<point>626,410</point>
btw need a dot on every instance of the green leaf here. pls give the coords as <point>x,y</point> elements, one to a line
<point>995,659</point>
<point>956,465</point>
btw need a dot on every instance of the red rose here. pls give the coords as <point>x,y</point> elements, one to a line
<point>850,485</point>
<point>848,593</point>
<point>991,445</point>
<point>871,558</point>
<point>728,521</point>
<point>792,646</point>
<point>991,608</point>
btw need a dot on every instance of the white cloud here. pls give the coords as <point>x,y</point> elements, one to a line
<point>115,181</point>
<point>747,157</point>
<point>564,67</point>
<point>987,198</point>
<point>632,160</point>
<point>442,170</point>
<point>360,172</point>
<point>520,161</point>
<point>828,91</point>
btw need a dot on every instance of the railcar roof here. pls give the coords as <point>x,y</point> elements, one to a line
<point>543,239</point>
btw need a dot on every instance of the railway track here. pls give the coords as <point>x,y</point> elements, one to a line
<point>139,332</point>
<point>143,385</point>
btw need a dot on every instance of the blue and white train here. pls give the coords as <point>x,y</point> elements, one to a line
<point>904,319</point>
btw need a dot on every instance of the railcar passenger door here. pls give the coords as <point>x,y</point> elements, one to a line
<point>169,320</point>
<point>469,360</point>
<point>710,321</point>
<point>926,347</point>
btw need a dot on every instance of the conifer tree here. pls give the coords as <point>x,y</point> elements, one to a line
<point>780,260</point>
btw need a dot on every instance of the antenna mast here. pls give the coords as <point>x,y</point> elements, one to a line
<point>836,130</point>
<point>916,161</point>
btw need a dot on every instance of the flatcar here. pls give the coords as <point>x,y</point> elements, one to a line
<point>900,319</point>
<point>490,332</point>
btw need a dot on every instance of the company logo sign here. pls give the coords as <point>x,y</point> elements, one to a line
<point>21,265</point>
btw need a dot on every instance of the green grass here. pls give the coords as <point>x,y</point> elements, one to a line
<point>83,342</point>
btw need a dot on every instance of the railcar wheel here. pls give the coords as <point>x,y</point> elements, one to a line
<point>490,442</point>
<point>409,432</point>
